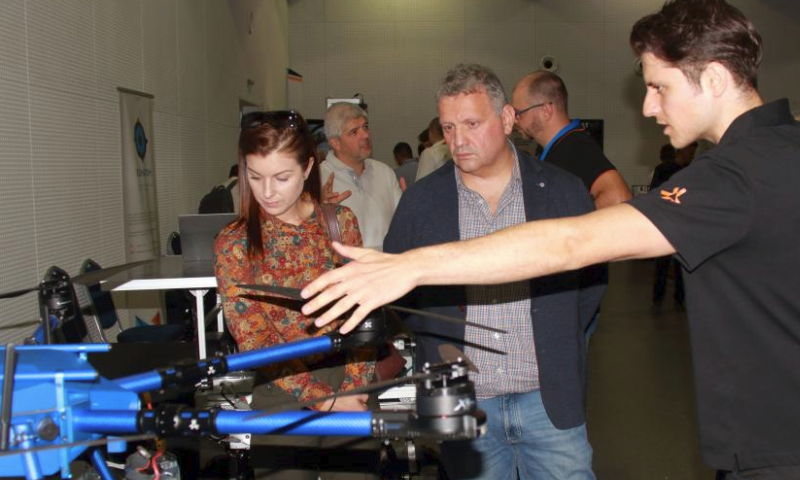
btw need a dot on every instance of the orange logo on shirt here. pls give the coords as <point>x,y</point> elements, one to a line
<point>674,196</point>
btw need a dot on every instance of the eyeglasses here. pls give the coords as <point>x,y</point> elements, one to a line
<point>276,118</point>
<point>520,112</point>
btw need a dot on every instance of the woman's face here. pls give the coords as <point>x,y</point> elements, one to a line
<point>276,181</point>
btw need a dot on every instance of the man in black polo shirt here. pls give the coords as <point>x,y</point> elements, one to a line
<point>732,218</point>
<point>540,103</point>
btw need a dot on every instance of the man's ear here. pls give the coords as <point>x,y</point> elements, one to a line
<point>716,78</point>
<point>334,143</point>
<point>548,110</point>
<point>508,116</point>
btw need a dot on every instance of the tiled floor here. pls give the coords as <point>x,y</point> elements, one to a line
<point>641,396</point>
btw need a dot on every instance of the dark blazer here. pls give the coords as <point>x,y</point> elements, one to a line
<point>561,305</point>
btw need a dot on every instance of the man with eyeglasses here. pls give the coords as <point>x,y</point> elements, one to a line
<point>540,101</point>
<point>540,107</point>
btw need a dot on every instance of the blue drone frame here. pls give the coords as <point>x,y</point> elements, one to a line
<point>60,406</point>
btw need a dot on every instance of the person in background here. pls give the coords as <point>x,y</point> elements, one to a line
<point>540,102</point>
<point>437,154</point>
<point>372,186</point>
<point>663,172</point>
<point>233,177</point>
<point>280,238</point>
<point>424,142</point>
<point>406,170</point>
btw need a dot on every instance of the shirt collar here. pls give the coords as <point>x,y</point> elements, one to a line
<point>337,164</point>
<point>770,114</point>
<point>572,125</point>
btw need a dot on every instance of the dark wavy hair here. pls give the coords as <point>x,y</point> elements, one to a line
<point>690,34</point>
<point>264,133</point>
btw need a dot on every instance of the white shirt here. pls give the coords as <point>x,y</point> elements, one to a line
<point>375,194</point>
<point>432,158</point>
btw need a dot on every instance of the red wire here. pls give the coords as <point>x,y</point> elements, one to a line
<point>153,462</point>
<point>156,471</point>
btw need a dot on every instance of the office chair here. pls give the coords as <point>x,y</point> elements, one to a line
<point>104,316</point>
<point>174,243</point>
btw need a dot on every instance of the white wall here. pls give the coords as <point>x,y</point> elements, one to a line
<point>395,52</point>
<point>60,163</point>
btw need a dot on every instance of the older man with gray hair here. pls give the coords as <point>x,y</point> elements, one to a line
<point>533,392</point>
<point>373,187</point>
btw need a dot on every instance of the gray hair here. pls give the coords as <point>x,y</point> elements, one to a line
<point>338,114</point>
<point>465,79</point>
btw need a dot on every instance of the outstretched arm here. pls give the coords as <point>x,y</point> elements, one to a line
<point>523,251</point>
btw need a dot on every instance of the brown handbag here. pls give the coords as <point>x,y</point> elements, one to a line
<point>389,363</point>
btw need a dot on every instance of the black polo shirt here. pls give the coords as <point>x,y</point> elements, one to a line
<point>733,217</point>
<point>579,154</point>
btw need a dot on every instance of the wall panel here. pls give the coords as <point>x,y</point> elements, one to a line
<point>18,265</point>
<point>160,62</point>
<point>118,43</point>
<point>589,38</point>
<point>60,155</point>
<point>61,45</point>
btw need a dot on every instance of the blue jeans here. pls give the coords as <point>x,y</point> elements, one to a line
<point>520,438</point>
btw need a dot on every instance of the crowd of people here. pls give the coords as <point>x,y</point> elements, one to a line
<point>476,228</point>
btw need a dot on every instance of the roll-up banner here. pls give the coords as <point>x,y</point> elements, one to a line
<point>139,195</point>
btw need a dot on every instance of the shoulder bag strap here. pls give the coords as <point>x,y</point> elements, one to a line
<point>331,222</point>
<point>332,226</point>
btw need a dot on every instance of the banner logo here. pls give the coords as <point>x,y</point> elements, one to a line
<point>140,140</point>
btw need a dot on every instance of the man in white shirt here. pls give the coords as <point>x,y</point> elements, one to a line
<point>437,154</point>
<point>374,190</point>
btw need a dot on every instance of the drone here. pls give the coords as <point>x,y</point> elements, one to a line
<point>58,305</point>
<point>56,408</point>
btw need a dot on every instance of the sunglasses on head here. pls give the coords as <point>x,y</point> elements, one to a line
<point>276,118</point>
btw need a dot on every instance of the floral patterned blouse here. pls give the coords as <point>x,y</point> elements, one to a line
<point>293,257</point>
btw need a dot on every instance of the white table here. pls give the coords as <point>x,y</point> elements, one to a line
<point>168,273</point>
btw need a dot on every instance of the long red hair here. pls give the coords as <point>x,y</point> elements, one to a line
<point>264,133</point>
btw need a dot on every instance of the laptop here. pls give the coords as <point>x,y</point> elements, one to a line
<point>198,232</point>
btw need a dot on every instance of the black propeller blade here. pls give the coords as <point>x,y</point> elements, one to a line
<point>275,290</point>
<point>97,276</point>
<point>294,294</point>
<point>88,278</point>
<point>20,325</point>
<point>18,293</point>
<point>445,318</point>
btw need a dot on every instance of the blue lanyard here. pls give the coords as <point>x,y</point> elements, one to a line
<point>570,126</point>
